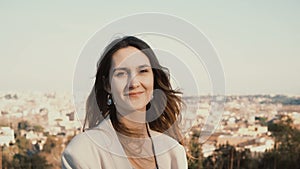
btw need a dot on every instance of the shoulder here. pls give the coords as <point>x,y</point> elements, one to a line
<point>71,155</point>
<point>85,149</point>
<point>88,140</point>
<point>78,143</point>
<point>97,136</point>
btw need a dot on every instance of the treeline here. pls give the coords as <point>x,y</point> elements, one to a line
<point>284,155</point>
<point>25,155</point>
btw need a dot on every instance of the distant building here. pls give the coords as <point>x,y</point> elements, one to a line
<point>261,145</point>
<point>71,116</point>
<point>253,130</point>
<point>233,140</point>
<point>6,136</point>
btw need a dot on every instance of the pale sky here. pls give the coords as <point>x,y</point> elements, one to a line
<point>258,42</point>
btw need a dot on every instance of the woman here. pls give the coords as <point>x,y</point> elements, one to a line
<point>132,114</point>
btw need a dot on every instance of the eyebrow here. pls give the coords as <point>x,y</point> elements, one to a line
<point>119,68</point>
<point>145,65</point>
<point>125,69</point>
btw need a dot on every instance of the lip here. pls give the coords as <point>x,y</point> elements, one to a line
<point>133,93</point>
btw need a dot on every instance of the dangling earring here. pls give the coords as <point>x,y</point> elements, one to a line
<point>109,100</point>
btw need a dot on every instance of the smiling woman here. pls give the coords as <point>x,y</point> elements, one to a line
<point>132,114</point>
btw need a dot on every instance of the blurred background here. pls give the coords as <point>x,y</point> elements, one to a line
<point>258,46</point>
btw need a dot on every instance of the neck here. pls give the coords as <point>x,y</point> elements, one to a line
<point>135,122</point>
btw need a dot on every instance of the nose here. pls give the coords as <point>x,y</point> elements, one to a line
<point>134,82</point>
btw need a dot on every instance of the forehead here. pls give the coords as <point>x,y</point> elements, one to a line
<point>129,57</point>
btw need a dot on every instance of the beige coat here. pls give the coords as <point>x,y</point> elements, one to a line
<point>101,149</point>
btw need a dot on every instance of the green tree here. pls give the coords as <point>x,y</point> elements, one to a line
<point>6,161</point>
<point>26,158</point>
<point>53,147</point>
<point>23,144</point>
<point>227,157</point>
<point>23,125</point>
<point>50,144</point>
<point>38,128</point>
<point>286,152</point>
<point>195,155</point>
<point>34,161</point>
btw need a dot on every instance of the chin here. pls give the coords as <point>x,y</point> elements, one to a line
<point>141,108</point>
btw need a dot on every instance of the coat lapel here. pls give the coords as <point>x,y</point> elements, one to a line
<point>113,145</point>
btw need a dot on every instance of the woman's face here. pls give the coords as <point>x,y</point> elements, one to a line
<point>131,81</point>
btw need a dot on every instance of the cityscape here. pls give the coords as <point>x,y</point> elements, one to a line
<point>35,127</point>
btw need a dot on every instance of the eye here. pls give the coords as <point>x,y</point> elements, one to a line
<point>144,70</point>
<point>120,74</point>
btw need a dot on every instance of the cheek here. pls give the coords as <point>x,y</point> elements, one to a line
<point>116,92</point>
<point>151,82</point>
<point>149,85</point>
<point>117,87</point>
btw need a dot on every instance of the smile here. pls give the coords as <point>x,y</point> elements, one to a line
<point>132,94</point>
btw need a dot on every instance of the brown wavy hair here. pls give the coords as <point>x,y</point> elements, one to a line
<point>169,113</point>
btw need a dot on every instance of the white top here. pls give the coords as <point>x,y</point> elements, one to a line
<point>100,148</point>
